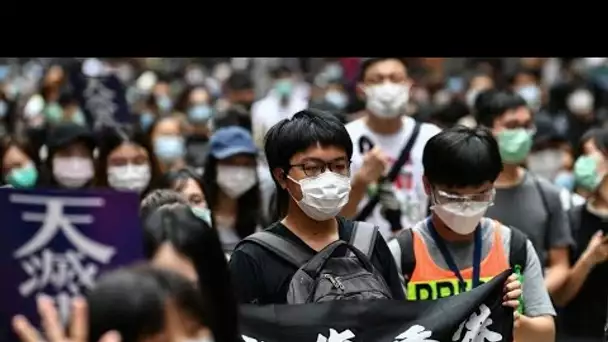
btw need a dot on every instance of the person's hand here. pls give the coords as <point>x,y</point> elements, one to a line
<point>53,330</point>
<point>597,249</point>
<point>512,292</point>
<point>375,162</point>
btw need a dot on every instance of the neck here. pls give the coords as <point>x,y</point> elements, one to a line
<point>447,234</point>
<point>303,226</point>
<point>383,126</point>
<point>226,205</point>
<point>510,176</point>
<point>600,203</point>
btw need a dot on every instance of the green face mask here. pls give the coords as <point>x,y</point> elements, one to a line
<point>53,112</point>
<point>585,173</point>
<point>23,178</point>
<point>514,145</point>
<point>203,214</point>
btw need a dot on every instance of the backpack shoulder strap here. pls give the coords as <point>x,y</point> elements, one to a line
<point>518,253</point>
<point>364,237</point>
<point>285,249</point>
<point>543,198</point>
<point>405,239</point>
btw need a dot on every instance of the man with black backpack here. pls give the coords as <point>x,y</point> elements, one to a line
<point>311,255</point>
<point>457,248</point>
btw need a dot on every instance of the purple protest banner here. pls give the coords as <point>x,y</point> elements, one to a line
<point>57,242</point>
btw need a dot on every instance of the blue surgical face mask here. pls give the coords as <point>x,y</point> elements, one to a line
<point>531,94</point>
<point>336,98</point>
<point>169,148</point>
<point>200,113</point>
<point>164,103</point>
<point>78,118</point>
<point>145,120</point>
<point>202,213</point>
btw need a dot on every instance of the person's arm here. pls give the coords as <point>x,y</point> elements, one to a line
<point>536,323</point>
<point>389,269</point>
<point>596,252</point>
<point>560,240</point>
<point>244,271</point>
<point>374,164</point>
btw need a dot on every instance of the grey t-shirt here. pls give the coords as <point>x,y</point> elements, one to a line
<point>522,207</point>
<point>536,297</point>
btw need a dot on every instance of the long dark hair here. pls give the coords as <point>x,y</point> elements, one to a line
<point>113,137</point>
<point>249,213</point>
<point>177,224</point>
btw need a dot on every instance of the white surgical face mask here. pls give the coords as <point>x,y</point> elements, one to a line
<point>471,97</point>
<point>236,180</point>
<point>580,102</point>
<point>72,172</point>
<point>323,196</point>
<point>545,163</point>
<point>461,217</point>
<point>129,177</point>
<point>387,100</point>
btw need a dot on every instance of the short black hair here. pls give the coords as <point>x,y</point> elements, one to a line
<point>157,198</point>
<point>491,104</point>
<point>281,71</point>
<point>524,70</point>
<point>239,80</point>
<point>142,292</point>
<point>369,62</point>
<point>460,157</point>
<point>307,128</point>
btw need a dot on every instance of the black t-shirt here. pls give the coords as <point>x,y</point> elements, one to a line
<point>585,315</point>
<point>260,277</point>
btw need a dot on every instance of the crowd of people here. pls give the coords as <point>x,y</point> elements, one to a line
<point>249,169</point>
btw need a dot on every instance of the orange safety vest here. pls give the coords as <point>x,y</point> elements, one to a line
<point>429,281</point>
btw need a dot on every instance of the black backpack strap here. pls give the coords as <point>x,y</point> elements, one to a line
<point>403,157</point>
<point>364,237</point>
<point>405,239</point>
<point>285,249</point>
<point>518,253</point>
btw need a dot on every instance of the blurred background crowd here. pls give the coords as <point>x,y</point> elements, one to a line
<point>175,105</point>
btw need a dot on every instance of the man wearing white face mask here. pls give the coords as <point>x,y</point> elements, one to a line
<point>457,248</point>
<point>309,157</point>
<point>385,84</point>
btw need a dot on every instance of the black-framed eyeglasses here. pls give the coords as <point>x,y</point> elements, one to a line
<point>315,168</point>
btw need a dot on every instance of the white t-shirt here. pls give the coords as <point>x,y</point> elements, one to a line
<point>266,112</point>
<point>408,185</point>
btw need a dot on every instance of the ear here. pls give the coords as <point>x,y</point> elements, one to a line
<point>279,177</point>
<point>360,91</point>
<point>427,186</point>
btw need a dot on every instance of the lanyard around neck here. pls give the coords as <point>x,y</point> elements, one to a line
<point>450,260</point>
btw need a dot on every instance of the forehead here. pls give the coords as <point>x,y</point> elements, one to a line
<point>482,82</point>
<point>520,114</point>
<point>385,67</point>
<point>168,125</point>
<point>188,186</point>
<point>199,95</point>
<point>13,153</point>
<point>318,152</point>
<point>127,149</point>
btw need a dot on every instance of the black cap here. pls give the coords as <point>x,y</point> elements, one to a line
<point>65,133</point>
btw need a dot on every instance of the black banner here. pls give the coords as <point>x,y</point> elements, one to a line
<point>475,316</point>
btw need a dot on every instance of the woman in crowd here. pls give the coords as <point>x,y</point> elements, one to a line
<point>70,160</point>
<point>234,192</point>
<point>126,161</point>
<point>195,102</point>
<point>593,147</point>
<point>19,163</point>
<point>167,137</point>
<point>186,182</point>
<point>584,312</point>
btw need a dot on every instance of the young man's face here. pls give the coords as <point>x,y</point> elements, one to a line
<point>312,163</point>
<point>442,194</point>
<point>389,70</point>
<point>520,117</point>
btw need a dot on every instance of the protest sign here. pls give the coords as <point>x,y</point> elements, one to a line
<point>475,316</point>
<point>57,242</point>
<point>102,98</point>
